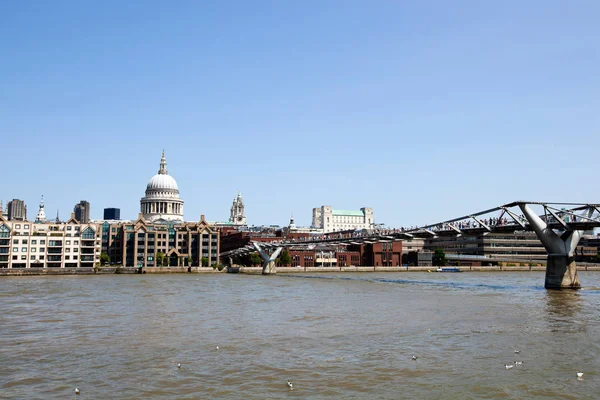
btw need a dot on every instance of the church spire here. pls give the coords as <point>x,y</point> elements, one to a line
<point>41,216</point>
<point>163,164</point>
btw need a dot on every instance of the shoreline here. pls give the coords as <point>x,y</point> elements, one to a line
<point>258,270</point>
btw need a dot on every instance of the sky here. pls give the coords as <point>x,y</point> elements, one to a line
<point>422,110</point>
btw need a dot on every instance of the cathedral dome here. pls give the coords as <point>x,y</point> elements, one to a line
<point>162,182</point>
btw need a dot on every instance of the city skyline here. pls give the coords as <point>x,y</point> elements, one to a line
<point>421,112</point>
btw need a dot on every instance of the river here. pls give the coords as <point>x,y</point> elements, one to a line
<point>345,336</point>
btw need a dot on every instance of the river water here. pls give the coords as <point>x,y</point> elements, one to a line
<point>345,336</point>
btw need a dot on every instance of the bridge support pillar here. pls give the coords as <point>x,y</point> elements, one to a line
<point>268,259</point>
<point>561,271</point>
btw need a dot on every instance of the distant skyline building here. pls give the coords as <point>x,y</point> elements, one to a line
<point>4,210</point>
<point>112,214</point>
<point>82,212</point>
<point>41,216</point>
<point>17,210</point>
<point>161,203</point>
<point>237,214</point>
<point>330,220</point>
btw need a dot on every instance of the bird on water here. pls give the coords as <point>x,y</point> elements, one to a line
<point>290,385</point>
<point>517,351</point>
<point>518,362</point>
<point>580,375</point>
<point>179,365</point>
<point>507,366</point>
<point>414,358</point>
<point>77,391</point>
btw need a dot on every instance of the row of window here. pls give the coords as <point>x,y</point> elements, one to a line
<point>41,257</point>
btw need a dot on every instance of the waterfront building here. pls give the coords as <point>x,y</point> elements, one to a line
<point>328,220</point>
<point>506,246</point>
<point>82,212</point>
<point>112,214</point>
<point>41,216</point>
<point>139,243</point>
<point>4,210</point>
<point>237,215</point>
<point>17,210</point>
<point>24,244</point>
<point>161,202</point>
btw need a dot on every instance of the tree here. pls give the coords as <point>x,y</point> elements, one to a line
<point>204,261</point>
<point>439,258</point>
<point>284,258</point>
<point>104,258</point>
<point>255,259</point>
<point>160,258</point>
<point>189,260</point>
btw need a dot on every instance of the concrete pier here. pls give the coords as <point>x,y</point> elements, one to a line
<point>561,273</point>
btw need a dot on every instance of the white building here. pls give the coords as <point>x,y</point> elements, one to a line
<point>237,215</point>
<point>330,220</point>
<point>161,202</point>
<point>25,244</point>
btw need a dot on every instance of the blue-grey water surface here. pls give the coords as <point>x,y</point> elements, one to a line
<point>344,336</point>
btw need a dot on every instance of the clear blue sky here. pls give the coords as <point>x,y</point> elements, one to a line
<point>423,110</point>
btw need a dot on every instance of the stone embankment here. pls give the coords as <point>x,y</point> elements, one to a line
<point>258,270</point>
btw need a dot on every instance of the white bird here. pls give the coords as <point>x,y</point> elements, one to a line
<point>290,385</point>
<point>77,391</point>
<point>179,365</point>
<point>217,347</point>
<point>517,351</point>
<point>518,362</point>
<point>507,366</point>
<point>580,374</point>
<point>414,358</point>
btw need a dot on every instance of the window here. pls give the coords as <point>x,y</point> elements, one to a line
<point>23,257</point>
<point>34,242</point>
<point>15,249</point>
<point>24,241</point>
<point>33,250</point>
<point>18,226</point>
<point>67,250</point>
<point>26,226</point>
<point>15,258</point>
<point>75,250</point>
<point>68,242</point>
<point>74,257</point>
<point>42,249</point>
<point>42,242</point>
<point>32,258</point>
<point>15,241</point>
<point>88,234</point>
<point>76,242</point>
<point>41,257</point>
<point>67,257</point>
<point>69,228</point>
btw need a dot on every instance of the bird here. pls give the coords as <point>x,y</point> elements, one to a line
<point>179,365</point>
<point>580,374</point>
<point>217,347</point>
<point>517,351</point>
<point>414,358</point>
<point>77,391</point>
<point>290,385</point>
<point>518,362</point>
<point>507,366</point>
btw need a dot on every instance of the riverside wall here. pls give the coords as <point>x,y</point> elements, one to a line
<point>258,270</point>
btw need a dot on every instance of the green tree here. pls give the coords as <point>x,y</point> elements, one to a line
<point>284,258</point>
<point>204,261</point>
<point>255,259</point>
<point>160,258</point>
<point>439,258</point>
<point>104,258</point>
<point>189,260</point>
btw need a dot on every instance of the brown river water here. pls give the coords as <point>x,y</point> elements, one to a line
<point>335,336</point>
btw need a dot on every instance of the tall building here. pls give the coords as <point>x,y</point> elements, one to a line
<point>237,216</point>
<point>161,202</point>
<point>82,212</point>
<point>330,220</point>
<point>41,216</point>
<point>112,214</point>
<point>17,210</point>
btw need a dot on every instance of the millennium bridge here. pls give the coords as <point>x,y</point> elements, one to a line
<point>559,226</point>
